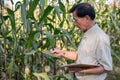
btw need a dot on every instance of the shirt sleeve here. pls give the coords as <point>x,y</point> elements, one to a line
<point>103,53</point>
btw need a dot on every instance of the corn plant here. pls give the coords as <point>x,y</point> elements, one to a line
<point>35,26</point>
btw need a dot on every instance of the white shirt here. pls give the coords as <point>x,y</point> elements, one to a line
<point>94,49</point>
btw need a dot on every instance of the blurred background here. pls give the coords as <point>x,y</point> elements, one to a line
<point>30,28</point>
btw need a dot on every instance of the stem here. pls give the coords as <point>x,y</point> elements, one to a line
<point>55,62</point>
<point>0,13</point>
<point>5,57</point>
<point>55,70</point>
<point>42,59</point>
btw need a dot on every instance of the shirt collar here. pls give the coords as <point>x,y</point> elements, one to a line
<point>88,32</point>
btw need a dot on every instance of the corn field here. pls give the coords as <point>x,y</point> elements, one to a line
<point>34,27</point>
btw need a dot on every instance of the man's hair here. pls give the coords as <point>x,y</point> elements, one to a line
<point>83,9</point>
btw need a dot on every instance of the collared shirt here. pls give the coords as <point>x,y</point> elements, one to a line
<point>94,49</point>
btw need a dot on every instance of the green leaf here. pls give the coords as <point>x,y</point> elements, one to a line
<point>30,53</point>
<point>12,18</point>
<point>69,76</point>
<point>70,40</point>
<point>114,54</point>
<point>26,2</point>
<point>48,53</point>
<point>23,15</point>
<point>61,24</point>
<point>62,7</point>
<point>57,11</point>
<point>46,13</point>
<point>68,36</point>
<point>42,6</point>
<point>17,5</point>
<point>41,75</point>
<point>50,26</point>
<point>50,38</point>
<point>31,39</point>
<point>5,17</point>
<point>10,67</point>
<point>32,7</point>
<point>51,20</point>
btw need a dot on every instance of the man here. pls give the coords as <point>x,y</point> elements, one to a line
<point>94,47</point>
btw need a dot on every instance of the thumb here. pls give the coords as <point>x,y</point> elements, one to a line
<point>52,51</point>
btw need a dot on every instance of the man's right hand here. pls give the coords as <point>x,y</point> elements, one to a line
<point>57,52</point>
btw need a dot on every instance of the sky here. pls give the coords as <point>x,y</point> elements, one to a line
<point>22,0</point>
<point>9,2</point>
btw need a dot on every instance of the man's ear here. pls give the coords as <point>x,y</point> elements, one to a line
<point>87,17</point>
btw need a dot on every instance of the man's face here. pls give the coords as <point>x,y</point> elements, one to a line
<point>81,23</point>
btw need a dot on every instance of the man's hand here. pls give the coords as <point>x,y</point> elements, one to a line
<point>57,51</point>
<point>67,54</point>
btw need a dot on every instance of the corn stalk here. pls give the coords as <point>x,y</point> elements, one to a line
<point>35,26</point>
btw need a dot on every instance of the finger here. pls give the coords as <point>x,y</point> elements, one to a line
<point>57,55</point>
<point>53,48</point>
<point>52,51</point>
<point>56,51</point>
